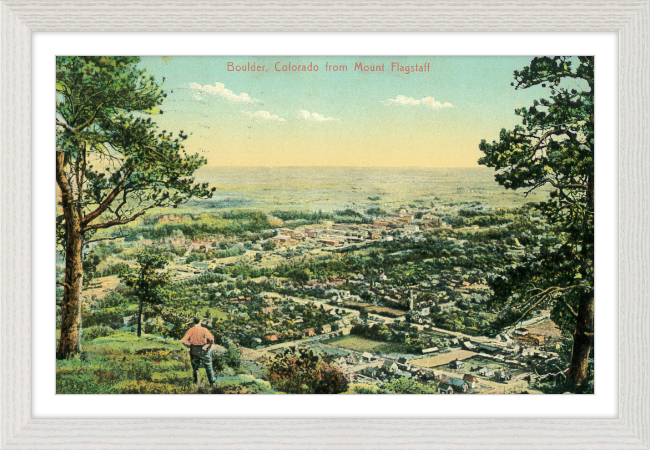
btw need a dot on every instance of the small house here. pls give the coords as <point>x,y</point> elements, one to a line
<point>428,375</point>
<point>502,375</point>
<point>485,372</point>
<point>489,349</point>
<point>351,360</point>
<point>390,366</point>
<point>307,332</point>
<point>469,346</point>
<point>471,380</point>
<point>456,364</point>
<point>458,385</point>
<point>444,388</point>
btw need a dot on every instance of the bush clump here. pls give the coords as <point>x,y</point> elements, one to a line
<point>301,371</point>
<point>146,387</point>
<point>92,333</point>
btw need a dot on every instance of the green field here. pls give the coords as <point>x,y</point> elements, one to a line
<point>359,344</point>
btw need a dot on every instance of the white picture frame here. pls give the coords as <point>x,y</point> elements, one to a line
<point>631,19</point>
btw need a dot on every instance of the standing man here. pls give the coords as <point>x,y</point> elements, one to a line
<point>199,340</point>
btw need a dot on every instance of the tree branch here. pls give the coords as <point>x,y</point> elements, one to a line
<point>66,126</point>
<point>545,295</point>
<point>123,221</point>
<point>541,139</point>
<point>564,186</point>
<point>568,307</point>
<point>106,202</point>
<point>103,239</point>
<point>90,120</point>
<point>63,283</point>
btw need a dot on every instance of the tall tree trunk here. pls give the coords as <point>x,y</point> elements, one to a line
<point>582,342</point>
<point>69,340</point>
<point>139,318</point>
<point>583,337</point>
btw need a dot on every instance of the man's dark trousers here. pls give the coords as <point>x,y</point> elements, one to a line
<point>199,356</point>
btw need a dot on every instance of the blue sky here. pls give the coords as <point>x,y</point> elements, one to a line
<point>353,118</point>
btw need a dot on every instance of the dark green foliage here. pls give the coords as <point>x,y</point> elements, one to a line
<point>376,212</point>
<point>554,146</point>
<point>148,283</point>
<point>114,269</point>
<point>301,371</point>
<point>199,256</point>
<point>378,332</point>
<point>80,382</point>
<point>90,262</point>
<point>90,333</point>
<point>233,359</point>
<point>112,317</point>
<point>311,217</point>
<point>407,386</point>
<point>348,212</point>
<point>269,246</point>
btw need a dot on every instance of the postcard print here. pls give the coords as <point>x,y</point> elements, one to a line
<point>325,225</point>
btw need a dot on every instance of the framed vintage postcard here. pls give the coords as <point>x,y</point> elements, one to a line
<point>409,225</point>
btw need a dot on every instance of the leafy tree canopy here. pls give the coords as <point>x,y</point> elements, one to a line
<point>553,147</point>
<point>149,281</point>
<point>117,162</point>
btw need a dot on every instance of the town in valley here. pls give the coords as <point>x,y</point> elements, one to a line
<point>331,232</point>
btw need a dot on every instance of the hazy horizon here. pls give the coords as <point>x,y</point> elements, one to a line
<point>332,188</point>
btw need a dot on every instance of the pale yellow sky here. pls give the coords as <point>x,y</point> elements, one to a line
<point>381,119</point>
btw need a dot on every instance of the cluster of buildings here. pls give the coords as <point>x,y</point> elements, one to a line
<point>329,233</point>
<point>371,368</point>
<point>454,385</point>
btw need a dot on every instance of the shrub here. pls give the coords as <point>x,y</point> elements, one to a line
<point>112,300</point>
<point>110,317</point>
<point>146,387</point>
<point>178,363</point>
<point>237,384</point>
<point>131,369</point>
<point>175,377</point>
<point>364,388</point>
<point>218,363</point>
<point>302,371</point>
<point>79,381</point>
<point>155,353</point>
<point>406,386</point>
<point>91,333</point>
<point>155,325</point>
<point>232,357</point>
<point>115,269</point>
<point>111,352</point>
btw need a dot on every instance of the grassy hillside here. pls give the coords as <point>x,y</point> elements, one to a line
<point>123,364</point>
